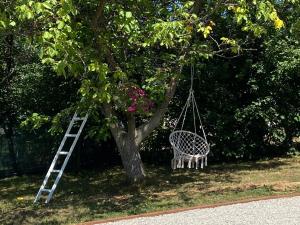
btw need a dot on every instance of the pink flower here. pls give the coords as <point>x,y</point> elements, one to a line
<point>132,108</point>
<point>134,98</point>
<point>138,99</point>
<point>141,92</point>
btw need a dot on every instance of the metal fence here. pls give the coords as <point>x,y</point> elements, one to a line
<point>34,154</point>
<point>31,153</point>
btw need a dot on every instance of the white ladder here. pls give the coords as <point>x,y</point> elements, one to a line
<point>60,152</point>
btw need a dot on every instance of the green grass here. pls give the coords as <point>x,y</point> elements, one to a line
<point>92,195</point>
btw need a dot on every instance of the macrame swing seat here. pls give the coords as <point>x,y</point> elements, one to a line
<point>189,147</point>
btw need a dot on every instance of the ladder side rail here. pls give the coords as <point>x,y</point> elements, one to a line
<point>59,150</point>
<point>67,159</point>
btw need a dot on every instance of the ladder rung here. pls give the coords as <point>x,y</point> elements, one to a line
<point>79,118</point>
<point>71,135</point>
<point>63,153</point>
<point>46,190</point>
<point>55,171</point>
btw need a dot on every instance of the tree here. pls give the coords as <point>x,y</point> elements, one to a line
<point>129,55</point>
<point>25,82</point>
<point>7,73</point>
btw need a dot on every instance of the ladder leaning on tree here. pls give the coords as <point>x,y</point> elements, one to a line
<point>61,152</point>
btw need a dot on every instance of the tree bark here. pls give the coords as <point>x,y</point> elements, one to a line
<point>99,15</point>
<point>127,145</point>
<point>131,160</point>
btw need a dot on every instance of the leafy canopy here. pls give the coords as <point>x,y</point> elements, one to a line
<point>114,46</point>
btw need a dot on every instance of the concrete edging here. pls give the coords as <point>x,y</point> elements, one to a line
<point>163,212</point>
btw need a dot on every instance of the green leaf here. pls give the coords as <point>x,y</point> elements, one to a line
<point>61,24</point>
<point>12,23</point>
<point>128,14</point>
<point>47,5</point>
<point>3,24</point>
<point>47,35</point>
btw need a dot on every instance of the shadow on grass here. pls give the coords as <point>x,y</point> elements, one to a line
<point>96,195</point>
<point>255,165</point>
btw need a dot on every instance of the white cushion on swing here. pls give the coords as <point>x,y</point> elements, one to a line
<point>187,143</point>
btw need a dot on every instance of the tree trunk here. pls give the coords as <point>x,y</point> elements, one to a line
<point>132,161</point>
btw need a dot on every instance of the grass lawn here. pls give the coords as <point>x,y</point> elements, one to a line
<point>92,195</point>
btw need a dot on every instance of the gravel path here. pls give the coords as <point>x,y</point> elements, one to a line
<point>283,211</point>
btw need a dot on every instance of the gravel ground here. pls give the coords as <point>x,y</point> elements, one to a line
<point>284,211</point>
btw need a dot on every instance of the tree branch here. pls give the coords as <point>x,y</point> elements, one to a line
<point>145,130</point>
<point>131,125</point>
<point>99,14</point>
<point>117,131</point>
<point>197,6</point>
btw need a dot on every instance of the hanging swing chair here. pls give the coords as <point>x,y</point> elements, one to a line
<point>189,147</point>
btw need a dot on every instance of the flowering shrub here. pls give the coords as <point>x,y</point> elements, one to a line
<point>138,100</point>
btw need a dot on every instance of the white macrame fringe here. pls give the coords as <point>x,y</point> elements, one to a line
<point>192,162</point>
